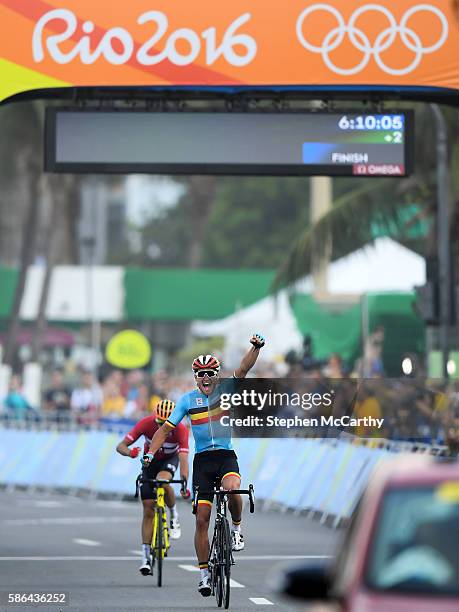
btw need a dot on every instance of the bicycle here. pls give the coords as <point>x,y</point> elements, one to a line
<point>221,555</point>
<point>160,535</point>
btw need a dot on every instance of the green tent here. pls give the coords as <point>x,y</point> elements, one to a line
<point>178,294</point>
<point>8,282</point>
<point>338,329</point>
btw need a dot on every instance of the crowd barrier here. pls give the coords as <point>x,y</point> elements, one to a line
<point>318,475</point>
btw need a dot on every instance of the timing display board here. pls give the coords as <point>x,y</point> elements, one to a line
<point>312,143</point>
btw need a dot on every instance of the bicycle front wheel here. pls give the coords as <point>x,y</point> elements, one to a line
<point>159,546</point>
<point>225,563</point>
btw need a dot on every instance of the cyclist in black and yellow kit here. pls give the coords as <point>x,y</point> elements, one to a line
<point>215,460</point>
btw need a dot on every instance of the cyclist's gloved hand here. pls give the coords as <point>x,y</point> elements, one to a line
<point>184,492</point>
<point>147,459</point>
<point>134,452</point>
<point>257,340</point>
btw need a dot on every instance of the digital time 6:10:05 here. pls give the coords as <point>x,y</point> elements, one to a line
<point>371,122</point>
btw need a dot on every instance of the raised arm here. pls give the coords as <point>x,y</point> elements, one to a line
<point>248,361</point>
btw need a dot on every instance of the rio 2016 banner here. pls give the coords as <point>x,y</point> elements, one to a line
<point>58,43</point>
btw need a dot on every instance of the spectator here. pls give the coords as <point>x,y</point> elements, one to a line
<point>119,379</point>
<point>113,403</point>
<point>334,367</point>
<point>134,380</point>
<point>86,400</point>
<point>368,405</point>
<point>15,403</point>
<point>153,402</point>
<point>138,407</point>
<point>143,400</point>
<point>371,364</point>
<point>57,397</point>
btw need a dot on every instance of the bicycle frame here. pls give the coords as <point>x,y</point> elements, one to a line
<point>160,504</point>
<point>160,543</point>
<point>221,511</point>
<point>221,557</point>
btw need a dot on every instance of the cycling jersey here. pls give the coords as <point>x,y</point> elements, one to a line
<point>204,413</point>
<point>176,441</point>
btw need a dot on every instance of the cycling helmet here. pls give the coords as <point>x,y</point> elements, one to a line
<point>206,362</point>
<point>164,409</point>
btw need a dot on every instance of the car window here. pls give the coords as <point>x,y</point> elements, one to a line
<point>415,547</point>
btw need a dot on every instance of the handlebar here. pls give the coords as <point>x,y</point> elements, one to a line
<point>215,491</point>
<point>160,481</point>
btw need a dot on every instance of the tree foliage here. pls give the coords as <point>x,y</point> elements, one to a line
<point>253,220</point>
<point>246,223</point>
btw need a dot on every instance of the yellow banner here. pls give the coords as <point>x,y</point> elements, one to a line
<point>128,349</point>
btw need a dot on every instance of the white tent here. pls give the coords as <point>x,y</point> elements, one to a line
<point>384,266</point>
<point>272,318</point>
<point>76,293</point>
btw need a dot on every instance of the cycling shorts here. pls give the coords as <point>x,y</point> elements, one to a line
<point>168,464</point>
<point>209,468</point>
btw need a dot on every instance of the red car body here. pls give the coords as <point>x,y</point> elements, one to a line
<point>350,585</point>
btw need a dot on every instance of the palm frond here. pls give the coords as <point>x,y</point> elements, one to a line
<point>349,225</point>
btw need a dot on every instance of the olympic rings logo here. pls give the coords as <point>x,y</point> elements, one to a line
<point>383,41</point>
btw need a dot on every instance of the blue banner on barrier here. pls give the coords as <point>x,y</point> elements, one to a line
<point>325,475</point>
<point>312,479</point>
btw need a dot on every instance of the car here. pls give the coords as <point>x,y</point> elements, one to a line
<point>400,552</point>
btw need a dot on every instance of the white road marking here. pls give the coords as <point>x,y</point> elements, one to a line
<point>261,601</point>
<point>75,558</point>
<point>113,504</point>
<point>136,552</point>
<point>67,520</point>
<point>169,559</point>
<point>47,503</point>
<point>194,568</point>
<point>254,557</point>
<point>279,557</point>
<point>85,542</point>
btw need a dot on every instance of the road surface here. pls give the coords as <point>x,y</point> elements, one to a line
<point>89,548</point>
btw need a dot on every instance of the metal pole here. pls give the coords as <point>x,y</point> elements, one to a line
<point>89,243</point>
<point>321,197</point>
<point>443,235</point>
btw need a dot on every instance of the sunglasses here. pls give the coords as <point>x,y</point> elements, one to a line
<point>209,373</point>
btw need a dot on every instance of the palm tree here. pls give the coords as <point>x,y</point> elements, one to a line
<point>20,157</point>
<point>63,192</point>
<point>24,191</point>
